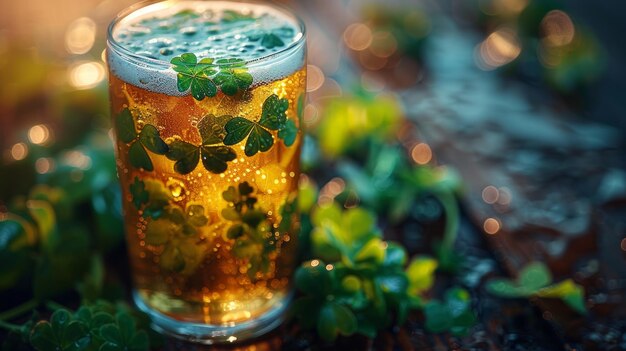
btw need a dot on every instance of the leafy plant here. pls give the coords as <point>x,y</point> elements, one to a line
<point>535,279</point>
<point>259,138</point>
<point>203,77</point>
<point>251,229</point>
<point>357,282</point>
<point>214,156</point>
<point>453,313</point>
<point>100,326</point>
<point>147,138</point>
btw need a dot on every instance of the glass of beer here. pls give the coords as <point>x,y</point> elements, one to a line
<point>206,101</point>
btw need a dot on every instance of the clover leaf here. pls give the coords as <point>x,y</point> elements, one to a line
<point>251,229</point>
<point>178,232</point>
<point>214,157</point>
<point>233,76</point>
<point>138,192</point>
<point>273,117</point>
<point>61,333</point>
<point>535,279</point>
<point>453,314</point>
<point>269,39</point>
<point>148,138</point>
<point>150,195</point>
<point>259,139</point>
<point>195,75</point>
<point>354,269</point>
<point>204,77</point>
<point>123,335</point>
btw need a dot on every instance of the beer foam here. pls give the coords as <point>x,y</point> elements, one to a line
<point>142,43</point>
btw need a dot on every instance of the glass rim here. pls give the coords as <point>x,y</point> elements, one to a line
<point>129,55</point>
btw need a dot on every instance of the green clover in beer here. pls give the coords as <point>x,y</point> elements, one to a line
<point>251,229</point>
<point>214,155</point>
<point>178,232</point>
<point>147,138</point>
<point>259,138</point>
<point>203,77</point>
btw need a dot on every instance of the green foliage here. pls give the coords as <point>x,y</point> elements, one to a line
<point>233,76</point>
<point>203,77</point>
<point>195,75</point>
<point>357,282</point>
<point>251,229</point>
<point>214,156</point>
<point>535,279</point>
<point>148,138</point>
<point>97,327</point>
<point>348,122</point>
<point>60,333</point>
<point>453,314</point>
<point>259,138</point>
<point>179,233</point>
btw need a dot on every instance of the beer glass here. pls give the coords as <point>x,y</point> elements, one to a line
<point>206,102</point>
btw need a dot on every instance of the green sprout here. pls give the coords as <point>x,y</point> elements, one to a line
<point>147,138</point>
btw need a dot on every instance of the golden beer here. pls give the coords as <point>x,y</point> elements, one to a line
<point>206,100</point>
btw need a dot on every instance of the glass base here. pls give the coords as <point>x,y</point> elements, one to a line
<point>214,333</point>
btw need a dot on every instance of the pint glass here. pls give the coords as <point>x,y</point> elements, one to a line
<point>206,102</point>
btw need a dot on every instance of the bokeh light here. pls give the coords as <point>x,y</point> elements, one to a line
<point>39,134</point>
<point>315,78</point>
<point>80,36</point>
<point>86,75</point>
<point>557,28</point>
<point>19,151</point>
<point>421,153</point>
<point>491,226</point>
<point>500,47</point>
<point>358,36</point>
<point>490,194</point>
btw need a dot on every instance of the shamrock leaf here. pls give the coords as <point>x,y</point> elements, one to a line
<point>453,314</point>
<point>273,117</point>
<point>178,232</point>
<point>139,193</point>
<point>335,319</point>
<point>185,154</point>
<point>214,157</point>
<point>195,76</point>
<point>123,335</point>
<point>259,139</point>
<point>534,280</point>
<point>269,39</point>
<point>62,333</point>
<point>288,133</point>
<point>233,76</point>
<point>147,138</point>
<point>251,229</point>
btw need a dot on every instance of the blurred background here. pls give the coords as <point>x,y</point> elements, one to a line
<point>520,102</point>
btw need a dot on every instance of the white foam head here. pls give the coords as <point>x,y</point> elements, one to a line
<point>143,40</point>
